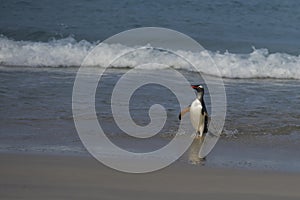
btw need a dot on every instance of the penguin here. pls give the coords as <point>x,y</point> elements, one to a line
<point>198,113</point>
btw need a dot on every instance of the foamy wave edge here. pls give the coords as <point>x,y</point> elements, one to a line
<point>68,52</point>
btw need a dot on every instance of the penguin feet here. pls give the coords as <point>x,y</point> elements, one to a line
<point>196,135</point>
<point>199,135</point>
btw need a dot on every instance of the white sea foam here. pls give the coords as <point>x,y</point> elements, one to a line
<point>55,53</point>
<point>69,52</point>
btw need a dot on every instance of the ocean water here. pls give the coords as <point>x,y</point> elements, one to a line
<point>255,45</point>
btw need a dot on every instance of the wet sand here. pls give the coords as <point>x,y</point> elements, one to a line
<point>27,176</point>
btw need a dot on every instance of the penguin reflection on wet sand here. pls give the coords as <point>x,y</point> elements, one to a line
<point>199,119</point>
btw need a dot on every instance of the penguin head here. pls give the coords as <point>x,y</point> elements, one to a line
<point>198,88</point>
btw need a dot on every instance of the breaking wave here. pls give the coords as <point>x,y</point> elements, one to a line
<point>68,52</point>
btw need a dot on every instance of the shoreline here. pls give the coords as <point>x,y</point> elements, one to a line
<point>66,177</point>
<point>255,154</point>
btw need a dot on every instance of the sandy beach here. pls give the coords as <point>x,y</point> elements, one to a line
<point>27,176</point>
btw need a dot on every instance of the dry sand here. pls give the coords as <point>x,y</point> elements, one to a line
<point>66,177</point>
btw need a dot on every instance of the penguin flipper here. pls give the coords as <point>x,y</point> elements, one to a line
<point>183,112</point>
<point>207,119</point>
<point>205,124</point>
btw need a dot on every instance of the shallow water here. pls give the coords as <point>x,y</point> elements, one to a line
<point>36,116</point>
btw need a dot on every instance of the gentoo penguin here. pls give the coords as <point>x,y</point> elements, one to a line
<point>198,112</point>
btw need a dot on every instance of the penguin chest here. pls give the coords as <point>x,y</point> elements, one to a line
<point>197,118</point>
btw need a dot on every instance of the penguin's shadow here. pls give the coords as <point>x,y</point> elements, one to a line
<point>193,154</point>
